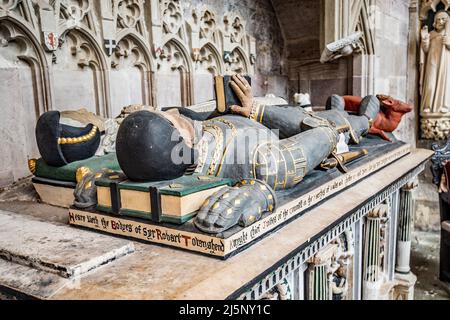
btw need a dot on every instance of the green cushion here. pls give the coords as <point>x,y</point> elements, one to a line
<point>68,172</point>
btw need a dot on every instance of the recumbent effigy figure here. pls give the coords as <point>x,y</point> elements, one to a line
<point>155,146</point>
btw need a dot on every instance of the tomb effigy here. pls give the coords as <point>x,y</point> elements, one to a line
<point>219,185</point>
<point>323,219</point>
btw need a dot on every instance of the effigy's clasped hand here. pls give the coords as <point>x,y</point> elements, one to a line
<point>244,205</point>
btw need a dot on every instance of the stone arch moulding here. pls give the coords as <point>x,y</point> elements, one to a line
<point>34,56</point>
<point>22,13</point>
<point>210,59</point>
<point>82,48</point>
<point>363,24</point>
<point>364,62</point>
<point>24,97</point>
<point>142,43</point>
<point>208,63</point>
<point>132,53</point>
<point>174,61</point>
<point>236,61</point>
<point>341,18</point>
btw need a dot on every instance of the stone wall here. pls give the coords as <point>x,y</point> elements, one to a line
<point>395,71</point>
<point>263,25</point>
<point>395,30</point>
<point>301,22</point>
<point>104,55</point>
<point>388,66</point>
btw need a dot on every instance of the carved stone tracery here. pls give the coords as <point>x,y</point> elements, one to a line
<point>130,54</point>
<point>76,13</point>
<point>330,271</point>
<point>91,40</point>
<point>8,5</point>
<point>172,16</point>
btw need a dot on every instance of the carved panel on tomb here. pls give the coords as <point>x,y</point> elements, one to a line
<point>130,15</point>
<point>207,60</point>
<point>172,16</point>
<point>78,80</point>
<point>73,52</point>
<point>130,75</point>
<point>23,99</point>
<point>281,292</point>
<point>330,272</point>
<point>377,284</point>
<point>434,61</point>
<point>173,77</point>
<point>207,66</point>
<point>236,62</point>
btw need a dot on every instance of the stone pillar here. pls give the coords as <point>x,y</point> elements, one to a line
<point>372,278</point>
<point>319,285</point>
<point>405,228</point>
<point>405,279</point>
<point>376,284</point>
<point>319,275</point>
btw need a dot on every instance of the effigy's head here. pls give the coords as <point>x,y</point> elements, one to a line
<point>440,20</point>
<point>60,144</point>
<point>150,146</point>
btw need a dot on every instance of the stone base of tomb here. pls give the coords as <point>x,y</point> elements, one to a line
<point>326,245</point>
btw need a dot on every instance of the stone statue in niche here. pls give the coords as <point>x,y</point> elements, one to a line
<point>281,292</point>
<point>339,283</point>
<point>436,80</point>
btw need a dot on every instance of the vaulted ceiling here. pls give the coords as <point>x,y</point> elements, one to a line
<point>300,24</point>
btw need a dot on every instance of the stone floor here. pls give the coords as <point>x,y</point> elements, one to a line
<point>425,264</point>
<point>425,246</point>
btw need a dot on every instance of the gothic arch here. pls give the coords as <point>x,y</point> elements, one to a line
<point>175,62</point>
<point>210,58</point>
<point>237,62</point>
<point>37,61</point>
<point>141,43</point>
<point>80,50</point>
<point>208,64</point>
<point>25,96</point>
<point>363,25</point>
<point>132,55</point>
